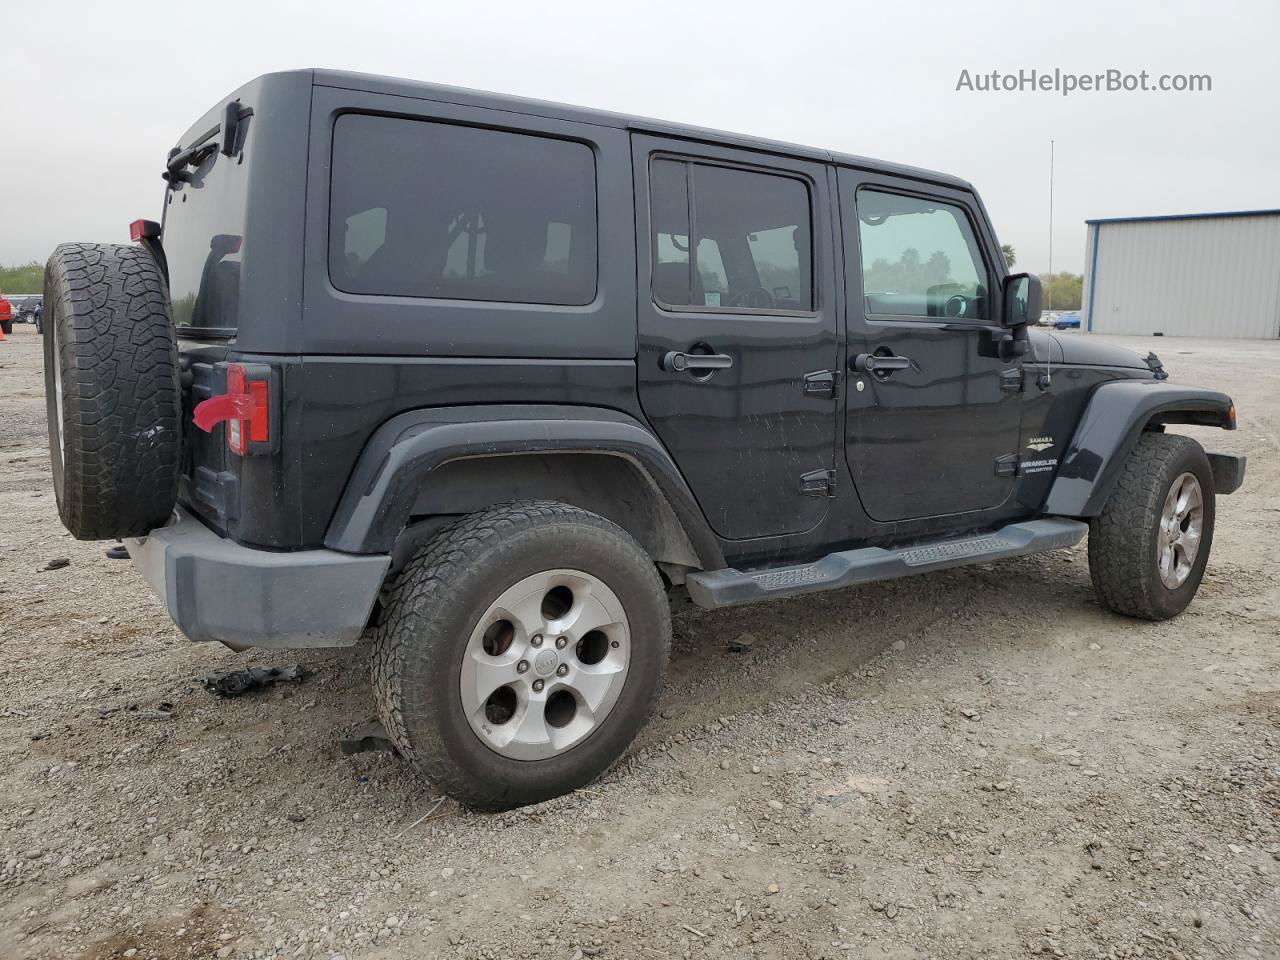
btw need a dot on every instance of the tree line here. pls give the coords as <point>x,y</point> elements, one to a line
<point>25,278</point>
<point>1062,291</point>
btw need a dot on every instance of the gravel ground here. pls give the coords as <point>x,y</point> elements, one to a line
<point>973,764</point>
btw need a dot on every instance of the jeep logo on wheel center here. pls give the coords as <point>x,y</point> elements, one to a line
<point>588,365</point>
<point>545,663</point>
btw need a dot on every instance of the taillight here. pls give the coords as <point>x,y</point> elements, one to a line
<point>245,408</point>
<point>256,427</point>
<point>143,230</point>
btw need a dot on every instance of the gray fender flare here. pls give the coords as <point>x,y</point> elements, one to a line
<point>1117,413</point>
<point>396,465</point>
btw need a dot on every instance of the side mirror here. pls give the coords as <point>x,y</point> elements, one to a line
<point>1021,299</point>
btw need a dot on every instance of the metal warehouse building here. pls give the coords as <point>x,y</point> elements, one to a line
<point>1187,275</point>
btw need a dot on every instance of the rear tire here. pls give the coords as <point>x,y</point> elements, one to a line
<point>111,389</point>
<point>1141,524</point>
<point>438,631</point>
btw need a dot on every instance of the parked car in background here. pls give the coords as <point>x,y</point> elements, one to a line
<point>25,308</point>
<point>28,309</point>
<point>1067,321</point>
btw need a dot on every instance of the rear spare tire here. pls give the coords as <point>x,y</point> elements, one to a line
<point>111,389</point>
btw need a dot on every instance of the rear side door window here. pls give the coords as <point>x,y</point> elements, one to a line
<point>730,239</point>
<point>920,258</point>
<point>425,209</point>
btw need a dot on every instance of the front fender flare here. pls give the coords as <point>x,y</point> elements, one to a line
<point>397,462</point>
<point>1117,413</point>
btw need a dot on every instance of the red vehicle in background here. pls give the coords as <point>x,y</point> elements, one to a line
<point>6,315</point>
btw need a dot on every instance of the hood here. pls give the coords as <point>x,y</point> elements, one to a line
<point>1083,351</point>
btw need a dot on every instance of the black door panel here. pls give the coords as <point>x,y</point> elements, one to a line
<point>931,432</point>
<point>742,427</point>
<point>924,440</point>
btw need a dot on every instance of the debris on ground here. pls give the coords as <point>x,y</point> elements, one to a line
<point>57,563</point>
<point>161,711</point>
<point>742,643</point>
<point>118,552</point>
<point>236,683</point>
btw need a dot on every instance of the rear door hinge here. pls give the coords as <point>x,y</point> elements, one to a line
<point>818,483</point>
<point>1007,466</point>
<point>822,383</point>
<point>1011,380</point>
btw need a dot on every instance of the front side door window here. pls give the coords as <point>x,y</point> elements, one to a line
<point>920,258</point>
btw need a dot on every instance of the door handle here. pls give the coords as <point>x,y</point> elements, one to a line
<point>874,363</point>
<point>679,362</point>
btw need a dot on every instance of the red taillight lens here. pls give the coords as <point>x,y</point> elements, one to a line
<point>245,408</point>
<point>143,230</point>
<point>256,427</point>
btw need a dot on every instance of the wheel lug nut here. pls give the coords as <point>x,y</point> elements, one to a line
<point>560,642</point>
<point>562,670</point>
<point>538,685</point>
<point>537,640</point>
<point>522,666</point>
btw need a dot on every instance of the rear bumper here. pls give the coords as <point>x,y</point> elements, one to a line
<point>216,589</point>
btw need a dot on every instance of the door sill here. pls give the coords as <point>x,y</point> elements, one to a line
<point>723,588</point>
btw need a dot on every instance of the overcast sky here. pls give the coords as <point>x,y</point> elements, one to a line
<point>94,94</point>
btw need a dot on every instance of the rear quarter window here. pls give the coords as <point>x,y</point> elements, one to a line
<point>426,209</point>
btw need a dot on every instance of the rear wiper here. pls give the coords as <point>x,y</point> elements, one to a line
<point>205,144</point>
<point>193,156</point>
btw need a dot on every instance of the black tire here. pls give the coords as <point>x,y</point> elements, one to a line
<point>1123,539</point>
<point>435,605</point>
<point>6,326</point>
<point>110,345</point>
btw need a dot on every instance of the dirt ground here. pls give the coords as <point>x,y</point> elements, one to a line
<point>979,763</point>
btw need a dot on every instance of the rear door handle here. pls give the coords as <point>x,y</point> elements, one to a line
<point>679,362</point>
<point>873,363</point>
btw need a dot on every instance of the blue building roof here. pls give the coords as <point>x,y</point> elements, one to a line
<point>1189,216</point>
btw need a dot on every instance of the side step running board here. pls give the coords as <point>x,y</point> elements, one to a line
<point>722,588</point>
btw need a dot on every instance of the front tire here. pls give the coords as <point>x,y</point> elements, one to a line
<point>520,652</point>
<point>1149,546</point>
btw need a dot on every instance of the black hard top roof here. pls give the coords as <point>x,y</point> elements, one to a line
<point>372,83</point>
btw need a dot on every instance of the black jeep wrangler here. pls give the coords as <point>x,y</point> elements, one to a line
<point>494,380</point>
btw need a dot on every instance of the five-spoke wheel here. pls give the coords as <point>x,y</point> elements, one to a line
<point>520,651</point>
<point>1181,524</point>
<point>545,664</point>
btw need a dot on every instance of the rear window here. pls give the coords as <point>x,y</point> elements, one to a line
<point>425,209</point>
<point>203,232</point>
